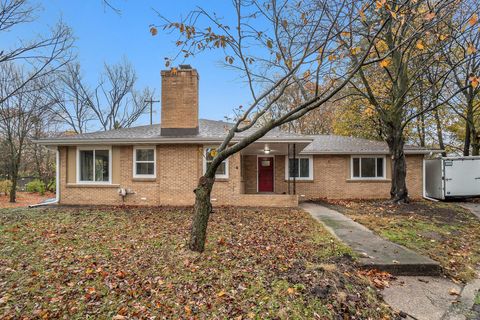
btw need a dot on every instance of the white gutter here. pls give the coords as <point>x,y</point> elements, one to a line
<point>353,152</point>
<point>73,142</point>
<point>424,191</point>
<point>57,184</point>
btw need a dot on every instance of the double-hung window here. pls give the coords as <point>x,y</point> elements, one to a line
<point>209,154</point>
<point>300,168</point>
<point>368,167</point>
<point>94,165</point>
<point>144,159</point>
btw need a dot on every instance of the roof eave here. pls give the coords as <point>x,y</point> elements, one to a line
<point>366,152</point>
<point>72,142</point>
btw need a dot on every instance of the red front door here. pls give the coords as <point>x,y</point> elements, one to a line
<point>265,174</point>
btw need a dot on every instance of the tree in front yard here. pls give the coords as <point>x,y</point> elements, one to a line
<point>463,57</point>
<point>319,47</point>
<point>274,45</point>
<point>412,44</point>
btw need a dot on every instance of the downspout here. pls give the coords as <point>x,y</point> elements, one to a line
<point>423,183</point>
<point>57,176</point>
<point>57,183</point>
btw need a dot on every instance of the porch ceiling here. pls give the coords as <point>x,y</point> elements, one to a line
<point>258,148</point>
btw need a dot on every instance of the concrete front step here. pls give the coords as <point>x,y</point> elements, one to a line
<point>374,251</point>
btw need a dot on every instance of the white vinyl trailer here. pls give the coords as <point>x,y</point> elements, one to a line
<point>452,177</point>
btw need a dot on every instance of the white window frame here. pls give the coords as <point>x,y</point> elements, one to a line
<point>204,156</point>
<point>145,176</point>
<point>110,160</point>
<point>360,168</point>
<point>310,168</point>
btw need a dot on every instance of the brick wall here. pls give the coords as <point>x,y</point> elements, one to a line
<point>178,169</point>
<point>332,179</point>
<point>180,166</point>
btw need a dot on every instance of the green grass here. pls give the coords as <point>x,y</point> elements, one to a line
<point>258,263</point>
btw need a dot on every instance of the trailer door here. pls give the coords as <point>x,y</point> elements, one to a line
<point>462,177</point>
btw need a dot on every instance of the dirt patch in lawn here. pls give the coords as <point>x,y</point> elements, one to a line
<point>24,199</point>
<point>443,231</point>
<point>105,263</point>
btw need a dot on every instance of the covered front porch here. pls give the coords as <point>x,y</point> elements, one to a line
<point>265,174</point>
<point>272,168</point>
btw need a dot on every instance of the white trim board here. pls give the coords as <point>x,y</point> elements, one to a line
<point>109,148</point>
<point>310,168</point>
<point>134,161</point>
<point>217,176</point>
<point>360,167</point>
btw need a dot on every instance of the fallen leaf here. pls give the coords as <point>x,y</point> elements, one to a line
<point>188,311</point>
<point>454,292</point>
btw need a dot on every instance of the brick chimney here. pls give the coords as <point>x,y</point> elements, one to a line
<point>179,101</point>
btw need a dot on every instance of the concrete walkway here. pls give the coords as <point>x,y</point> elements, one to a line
<point>374,251</point>
<point>420,297</point>
<point>472,206</point>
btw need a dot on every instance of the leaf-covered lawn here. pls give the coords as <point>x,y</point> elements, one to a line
<point>24,199</point>
<point>132,263</point>
<point>445,232</point>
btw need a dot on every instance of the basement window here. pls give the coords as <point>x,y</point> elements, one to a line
<point>209,154</point>
<point>368,167</point>
<point>94,165</point>
<point>144,160</point>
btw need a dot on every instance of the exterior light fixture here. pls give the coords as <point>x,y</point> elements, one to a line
<point>266,150</point>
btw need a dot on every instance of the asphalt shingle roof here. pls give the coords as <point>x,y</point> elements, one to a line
<point>208,130</point>
<point>211,130</point>
<point>350,145</point>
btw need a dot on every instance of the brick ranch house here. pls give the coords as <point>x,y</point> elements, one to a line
<point>160,164</point>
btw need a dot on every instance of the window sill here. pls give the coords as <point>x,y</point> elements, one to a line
<point>221,179</point>
<point>92,185</point>
<point>140,179</point>
<point>299,180</point>
<point>380,180</point>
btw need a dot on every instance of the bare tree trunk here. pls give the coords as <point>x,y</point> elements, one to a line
<point>466,143</point>
<point>468,129</point>
<point>396,142</point>
<point>14,178</point>
<point>421,129</point>
<point>202,210</point>
<point>438,124</point>
<point>475,141</point>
